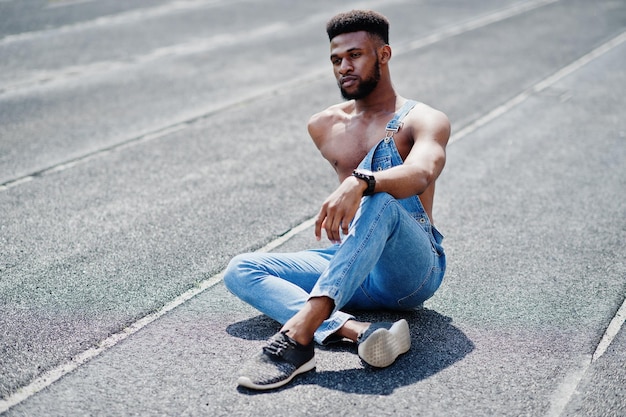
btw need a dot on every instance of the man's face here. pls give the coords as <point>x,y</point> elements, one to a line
<point>355,64</point>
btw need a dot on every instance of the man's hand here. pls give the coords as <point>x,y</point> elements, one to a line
<point>339,209</point>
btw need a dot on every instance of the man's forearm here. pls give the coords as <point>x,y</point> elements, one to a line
<point>403,181</point>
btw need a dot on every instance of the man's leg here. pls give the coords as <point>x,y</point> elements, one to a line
<point>386,256</point>
<point>278,284</point>
<point>387,261</point>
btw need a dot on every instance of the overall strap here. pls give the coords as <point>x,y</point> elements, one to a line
<point>396,123</point>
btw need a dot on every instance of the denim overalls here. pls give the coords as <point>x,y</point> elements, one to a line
<point>392,258</point>
<point>384,156</point>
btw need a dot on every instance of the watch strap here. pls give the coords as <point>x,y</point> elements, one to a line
<point>368,178</point>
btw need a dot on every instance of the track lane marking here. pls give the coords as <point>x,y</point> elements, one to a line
<point>538,87</point>
<point>125,17</point>
<point>561,395</point>
<point>437,36</point>
<point>50,377</point>
<point>611,331</point>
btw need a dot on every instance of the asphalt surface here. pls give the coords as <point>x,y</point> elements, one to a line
<point>143,144</point>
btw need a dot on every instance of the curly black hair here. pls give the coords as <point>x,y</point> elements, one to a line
<point>357,20</point>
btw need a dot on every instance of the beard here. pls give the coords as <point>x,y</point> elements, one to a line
<point>365,87</point>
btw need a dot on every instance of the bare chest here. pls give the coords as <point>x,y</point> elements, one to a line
<point>347,144</point>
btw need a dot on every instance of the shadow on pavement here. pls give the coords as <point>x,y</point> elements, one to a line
<point>435,345</point>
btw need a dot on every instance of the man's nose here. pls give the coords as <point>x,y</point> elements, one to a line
<point>345,67</point>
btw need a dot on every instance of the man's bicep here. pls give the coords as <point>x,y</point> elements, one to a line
<point>429,156</point>
<point>429,147</point>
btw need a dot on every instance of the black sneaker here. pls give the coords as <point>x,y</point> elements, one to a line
<point>282,359</point>
<point>382,343</point>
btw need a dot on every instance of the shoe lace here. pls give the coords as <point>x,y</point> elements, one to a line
<point>278,346</point>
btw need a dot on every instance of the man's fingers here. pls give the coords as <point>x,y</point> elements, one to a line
<point>328,226</point>
<point>344,227</point>
<point>319,224</point>
<point>326,220</point>
<point>335,216</point>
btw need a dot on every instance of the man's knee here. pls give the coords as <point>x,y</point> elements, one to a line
<point>381,199</point>
<point>380,202</point>
<point>235,273</point>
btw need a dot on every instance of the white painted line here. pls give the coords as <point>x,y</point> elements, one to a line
<point>55,4</point>
<point>55,78</point>
<point>564,391</point>
<point>126,17</point>
<point>563,394</point>
<point>610,333</point>
<point>477,23</point>
<point>16,182</point>
<point>96,154</point>
<point>291,233</point>
<point>58,78</point>
<point>53,375</point>
<point>286,86</point>
<point>540,86</point>
<point>567,387</point>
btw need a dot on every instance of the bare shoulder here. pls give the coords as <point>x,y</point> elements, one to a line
<point>320,124</point>
<point>426,122</point>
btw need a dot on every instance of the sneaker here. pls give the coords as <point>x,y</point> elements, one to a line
<point>382,343</point>
<point>280,361</point>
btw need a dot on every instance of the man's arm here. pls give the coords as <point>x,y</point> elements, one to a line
<point>339,208</point>
<point>430,131</point>
<point>424,162</point>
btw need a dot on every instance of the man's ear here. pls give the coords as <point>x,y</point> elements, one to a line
<point>384,54</point>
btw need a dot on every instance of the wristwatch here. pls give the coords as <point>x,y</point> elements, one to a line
<point>368,177</point>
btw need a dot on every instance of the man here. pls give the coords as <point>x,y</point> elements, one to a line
<point>387,152</point>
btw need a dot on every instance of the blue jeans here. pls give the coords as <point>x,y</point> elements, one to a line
<point>390,259</point>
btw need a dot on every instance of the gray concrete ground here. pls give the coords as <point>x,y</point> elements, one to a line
<point>144,144</point>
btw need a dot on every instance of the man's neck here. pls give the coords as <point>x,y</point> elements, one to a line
<point>378,101</point>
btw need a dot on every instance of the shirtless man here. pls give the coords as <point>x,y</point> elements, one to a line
<point>385,253</point>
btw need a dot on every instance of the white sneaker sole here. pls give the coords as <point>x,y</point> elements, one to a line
<point>244,381</point>
<point>383,347</point>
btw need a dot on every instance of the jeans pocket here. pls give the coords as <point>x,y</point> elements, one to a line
<point>426,289</point>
